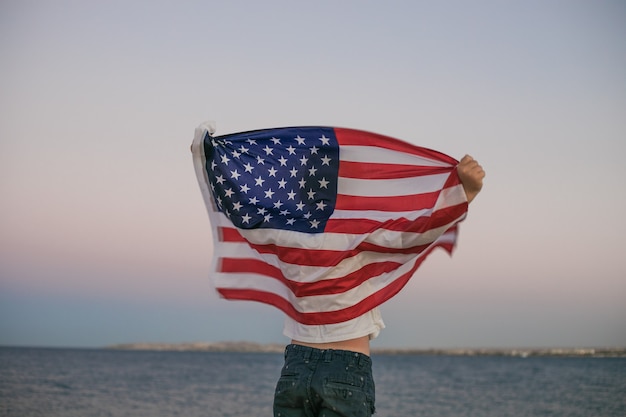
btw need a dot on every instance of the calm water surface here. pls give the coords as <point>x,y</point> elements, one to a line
<point>90,383</point>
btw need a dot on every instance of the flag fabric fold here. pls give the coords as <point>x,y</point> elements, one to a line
<point>323,223</point>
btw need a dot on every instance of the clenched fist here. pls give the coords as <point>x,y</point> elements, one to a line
<point>471,175</point>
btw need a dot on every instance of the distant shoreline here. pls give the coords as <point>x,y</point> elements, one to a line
<point>250,347</point>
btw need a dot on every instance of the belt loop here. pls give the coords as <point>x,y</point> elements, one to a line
<point>328,355</point>
<point>307,354</point>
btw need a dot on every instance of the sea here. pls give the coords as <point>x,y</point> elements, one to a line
<point>112,383</point>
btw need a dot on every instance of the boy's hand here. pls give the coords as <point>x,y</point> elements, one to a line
<point>471,175</point>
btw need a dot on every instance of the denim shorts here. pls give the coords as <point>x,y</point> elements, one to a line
<point>324,383</point>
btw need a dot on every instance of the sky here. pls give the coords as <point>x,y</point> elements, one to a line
<point>104,237</point>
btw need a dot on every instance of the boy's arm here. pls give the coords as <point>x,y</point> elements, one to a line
<point>471,175</point>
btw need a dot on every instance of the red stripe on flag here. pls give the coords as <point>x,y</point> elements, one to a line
<point>420,225</point>
<point>375,171</point>
<point>305,257</point>
<point>250,266</point>
<point>391,204</point>
<point>360,138</point>
<point>229,234</point>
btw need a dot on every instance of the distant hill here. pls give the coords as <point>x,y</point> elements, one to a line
<point>203,347</point>
<point>279,348</point>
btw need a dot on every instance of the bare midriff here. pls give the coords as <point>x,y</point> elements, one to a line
<point>360,344</point>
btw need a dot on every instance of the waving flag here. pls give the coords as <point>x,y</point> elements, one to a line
<point>323,223</point>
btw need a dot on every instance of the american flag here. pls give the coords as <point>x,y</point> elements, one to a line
<point>323,223</point>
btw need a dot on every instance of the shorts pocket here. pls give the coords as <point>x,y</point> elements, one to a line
<point>287,393</point>
<point>346,395</point>
<point>346,380</point>
<point>350,392</point>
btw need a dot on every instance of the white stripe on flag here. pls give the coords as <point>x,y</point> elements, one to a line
<point>391,187</point>
<point>374,154</point>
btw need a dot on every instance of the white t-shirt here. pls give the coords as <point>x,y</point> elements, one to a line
<point>370,323</point>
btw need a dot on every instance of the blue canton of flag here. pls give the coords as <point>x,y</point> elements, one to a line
<point>282,178</point>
